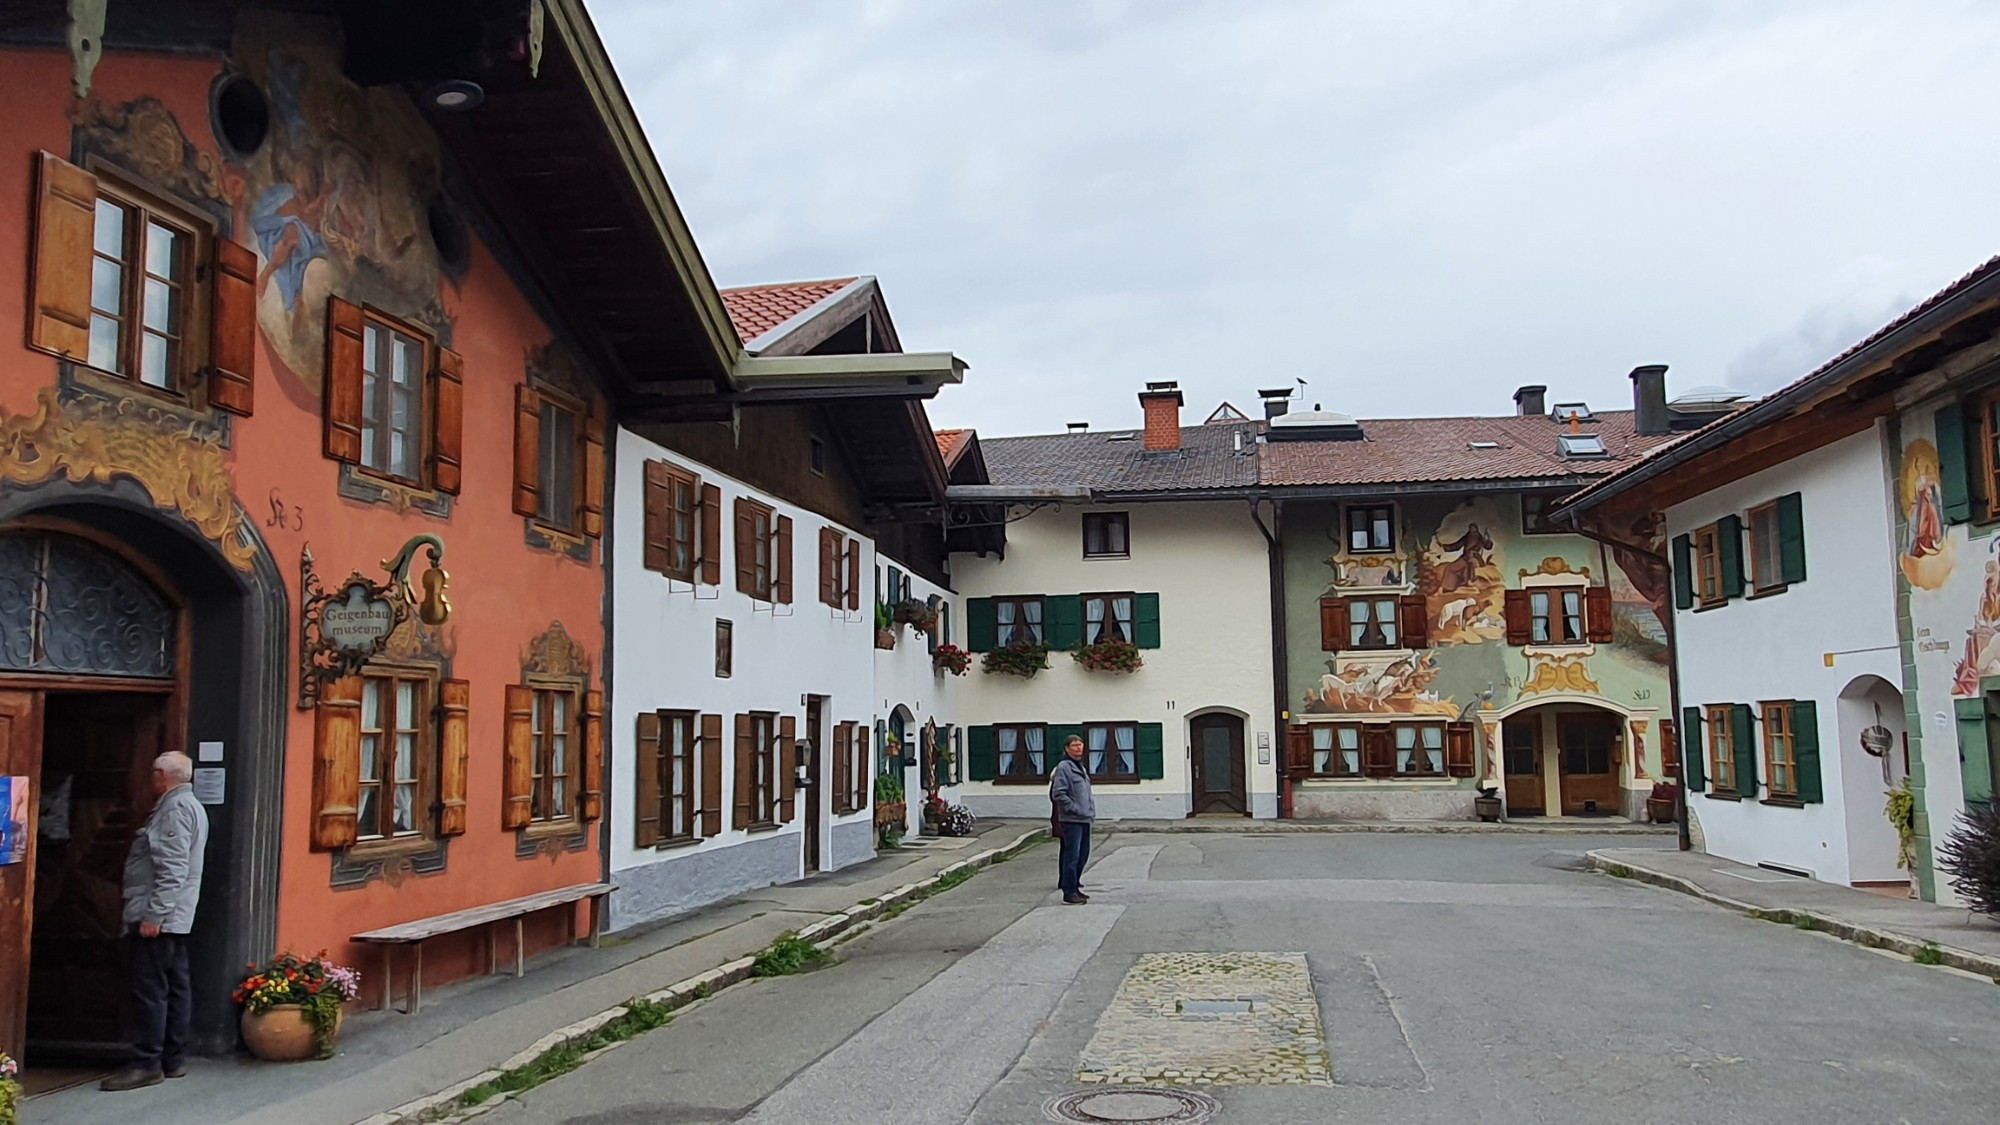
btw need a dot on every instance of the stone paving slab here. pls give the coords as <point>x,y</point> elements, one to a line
<point>1210,1019</point>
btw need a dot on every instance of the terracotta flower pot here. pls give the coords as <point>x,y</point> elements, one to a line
<point>1659,810</point>
<point>282,1034</point>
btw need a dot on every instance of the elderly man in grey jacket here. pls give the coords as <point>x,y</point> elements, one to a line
<point>1073,808</point>
<point>162,884</point>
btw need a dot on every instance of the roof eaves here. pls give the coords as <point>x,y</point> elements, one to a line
<point>772,336</point>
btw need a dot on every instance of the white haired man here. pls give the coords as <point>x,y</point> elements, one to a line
<point>162,884</point>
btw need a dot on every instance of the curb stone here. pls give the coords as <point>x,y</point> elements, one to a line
<point>1435,828</point>
<point>1867,936</point>
<point>444,1103</point>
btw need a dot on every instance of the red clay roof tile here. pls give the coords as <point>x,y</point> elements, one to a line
<point>756,309</point>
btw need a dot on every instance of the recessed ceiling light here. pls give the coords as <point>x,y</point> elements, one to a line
<point>455,95</point>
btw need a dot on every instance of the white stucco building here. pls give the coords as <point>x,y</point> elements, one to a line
<point>1148,553</point>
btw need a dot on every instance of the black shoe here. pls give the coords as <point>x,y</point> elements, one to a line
<point>1077,900</point>
<point>1083,896</point>
<point>175,1070</point>
<point>131,1078</point>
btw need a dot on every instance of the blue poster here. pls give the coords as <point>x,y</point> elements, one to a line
<point>14,829</point>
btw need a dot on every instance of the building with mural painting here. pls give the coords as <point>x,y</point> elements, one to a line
<point>754,709</point>
<point>1838,599</point>
<point>1442,636</point>
<point>1132,587</point>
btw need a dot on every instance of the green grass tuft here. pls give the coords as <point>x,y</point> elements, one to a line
<point>1930,954</point>
<point>1802,922</point>
<point>789,954</point>
<point>639,1017</point>
<point>1618,871</point>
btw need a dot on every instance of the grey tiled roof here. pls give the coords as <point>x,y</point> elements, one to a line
<point>1117,460</point>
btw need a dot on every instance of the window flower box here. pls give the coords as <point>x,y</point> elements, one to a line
<point>1022,658</point>
<point>919,615</point>
<point>951,658</point>
<point>1109,656</point>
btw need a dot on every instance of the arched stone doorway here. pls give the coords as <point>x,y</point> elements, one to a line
<point>1871,762</point>
<point>124,633</point>
<point>1566,757</point>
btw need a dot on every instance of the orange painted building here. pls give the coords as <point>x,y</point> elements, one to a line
<point>286,302</point>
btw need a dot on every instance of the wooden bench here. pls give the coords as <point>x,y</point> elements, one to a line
<point>417,932</point>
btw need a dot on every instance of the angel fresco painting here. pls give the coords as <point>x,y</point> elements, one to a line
<point>1926,554</point>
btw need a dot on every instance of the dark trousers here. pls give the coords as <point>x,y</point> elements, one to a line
<point>160,999</point>
<point>1075,853</point>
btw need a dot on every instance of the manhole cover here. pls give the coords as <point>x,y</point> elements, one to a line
<point>1142,1104</point>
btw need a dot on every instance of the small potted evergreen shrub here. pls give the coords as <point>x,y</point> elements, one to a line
<point>1971,854</point>
<point>885,627</point>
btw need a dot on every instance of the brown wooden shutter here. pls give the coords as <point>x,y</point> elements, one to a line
<point>1378,752</point>
<point>743,751</point>
<point>1597,618</point>
<point>1332,624</point>
<point>1413,621</point>
<point>788,774</point>
<point>454,754</point>
<point>517,805</point>
<point>864,761</point>
<point>1459,750</point>
<point>842,733</point>
<point>341,437</point>
<point>828,561</point>
<point>590,479</point>
<point>527,450</point>
<point>854,574</point>
<point>657,498</point>
<point>65,231</point>
<point>593,755</point>
<point>1520,616</point>
<point>711,535</point>
<point>781,547</point>
<point>232,328</point>
<point>1298,750</point>
<point>1670,750</point>
<point>711,775</point>
<point>448,427</point>
<point>337,764</point>
<point>746,546</point>
<point>646,788</point>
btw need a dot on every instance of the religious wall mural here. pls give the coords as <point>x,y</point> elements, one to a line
<point>1459,574</point>
<point>1926,553</point>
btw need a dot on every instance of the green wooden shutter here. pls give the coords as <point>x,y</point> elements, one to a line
<point>1743,737</point>
<point>1805,750</point>
<point>895,586</point>
<point>1791,538</point>
<point>1683,572</point>
<point>1694,748</point>
<point>1975,760</point>
<point>1729,545</point>
<point>982,760</point>
<point>1058,736</point>
<point>1062,617</point>
<point>980,629</point>
<point>1152,751</point>
<point>1954,467</point>
<point>1146,620</point>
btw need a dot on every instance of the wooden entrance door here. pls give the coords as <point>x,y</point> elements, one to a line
<point>1521,749</point>
<point>1216,757</point>
<point>1589,776</point>
<point>21,762</point>
<point>815,800</point>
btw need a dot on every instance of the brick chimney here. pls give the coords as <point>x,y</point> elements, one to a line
<point>1649,400</point>
<point>1162,403</point>
<point>1531,400</point>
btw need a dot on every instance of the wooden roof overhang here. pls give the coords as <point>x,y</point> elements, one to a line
<point>1844,398</point>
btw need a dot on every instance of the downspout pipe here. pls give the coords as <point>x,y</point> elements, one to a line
<point>1280,669</point>
<point>1575,525</point>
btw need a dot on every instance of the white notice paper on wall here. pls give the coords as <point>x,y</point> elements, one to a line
<point>208,786</point>
<point>208,752</point>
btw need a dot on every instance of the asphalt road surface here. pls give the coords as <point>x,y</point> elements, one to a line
<point>1303,978</point>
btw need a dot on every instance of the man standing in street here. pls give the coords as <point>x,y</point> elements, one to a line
<point>162,882</point>
<point>1074,809</point>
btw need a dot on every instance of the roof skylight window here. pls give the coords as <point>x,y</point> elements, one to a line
<point>1572,411</point>
<point>1582,445</point>
<point>1482,445</point>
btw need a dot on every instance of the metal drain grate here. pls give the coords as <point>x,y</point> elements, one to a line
<point>1147,1105</point>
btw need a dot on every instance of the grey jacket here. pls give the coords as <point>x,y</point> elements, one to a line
<point>1069,791</point>
<point>163,871</point>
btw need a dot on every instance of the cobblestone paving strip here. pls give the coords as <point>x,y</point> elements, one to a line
<point>1171,1024</point>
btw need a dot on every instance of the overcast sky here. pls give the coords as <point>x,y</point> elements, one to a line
<point>1414,206</point>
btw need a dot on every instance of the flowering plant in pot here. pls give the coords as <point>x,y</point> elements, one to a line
<point>10,1089</point>
<point>951,658</point>
<point>1109,655</point>
<point>1022,658</point>
<point>292,1004</point>
<point>919,615</point>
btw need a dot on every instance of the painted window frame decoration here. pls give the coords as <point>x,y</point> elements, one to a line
<point>1360,524</point>
<point>1107,535</point>
<point>1558,615</point>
